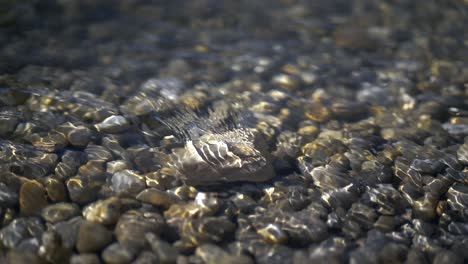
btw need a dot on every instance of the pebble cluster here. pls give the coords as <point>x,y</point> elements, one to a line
<point>286,131</point>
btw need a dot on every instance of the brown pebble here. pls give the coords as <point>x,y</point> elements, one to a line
<point>56,190</point>
<point>32,198</point>
<point>158,198</point>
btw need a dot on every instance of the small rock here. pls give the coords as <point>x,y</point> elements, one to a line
<point>59,212</point>
<point>19,230</point>
<point>105,212</point>
<point>93,168</point>
<point>166,252</point>
<point>146,257</point>
<point>212,254</point>
<point>117,166</point>
<point>68,231</point>
<point>85,259</point>
<point>83,190</point>
<point>32,198</point>
<point>273,234</point>
<point>117,254</point>
<point>8,197</point>
<point>128,181</point>
<point>158,198</point>
<point>79,136</point>
<point>56,190</point>
<point>98,153</point>
<point>113,124</point>
<point>133,225</point>
<point>92,237</point>
<point>446,256</point>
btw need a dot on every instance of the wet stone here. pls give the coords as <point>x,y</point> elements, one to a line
<point>146,257</point>
<point>158,198</point>
<point>117,166</point>
<point>85,259</point>
<point>352,229</point>
<point>113,124</point>
<point>117,254</point>
<point>22,257</point>
<point>318,113</point>
<point>327,177</point>
<point>206,230</point>
<point>32,198</point>
<point>273,234</point>
<point>79,136</point>
<point>457,197</point>
<point>105,212</point>
<point>83,190</point>
<point>8,197</point>
<point>59,212</point>
<point>446,256</point>
<point>165,252</point>
<point>239,155</point>
<point>50,142</point>
<point>93,168</point>
<point>385,223</point>
<point>96,152</point>
<point>462,154</point>
<point>133,225</point>
<point>92,237</point>
<point>425,208</point>
<point>51,249</point>
<point>392,253</point>
<point>211,254</point>
<point>423,228</point>
<point>68,231</point>
<point>459,176</point>
<point>7,215</point>
<point>458,228</point>
<point>362,214</point>
<point>69,165</point>
<point>128,181</point>
<point>20,230</point>
<point>427,166</point>
<point>56,189</point>
<point>8,122</point>
<point>350,111</point>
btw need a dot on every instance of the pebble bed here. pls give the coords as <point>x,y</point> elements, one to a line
<point>205,131</point>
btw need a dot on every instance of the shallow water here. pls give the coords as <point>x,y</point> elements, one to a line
<point>233,131</point>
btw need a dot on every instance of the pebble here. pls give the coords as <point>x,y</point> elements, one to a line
<point>56,189</point>
<point>113,124</point>
<point>164,251</point>
<point>32,198</point>
<point>86,258</point>
<point>93,169</point>
<point>58,212</point>
<point>79,136</point>
<point>68,231</point>
<point>115,166</point>
<point>128,181</point>
<point>457,197</point>
<point>212,254</point>
<point>92,237</point>
<point>83,190</point>
<point>117,254</point>
<point>105,212</point>
<point>446,256</point>
<point>133,225</point>
<point>8,197</point>
<point>19,230</point>
<point>273,234</point>
<point>146,257</point>
<point>158,198</point>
